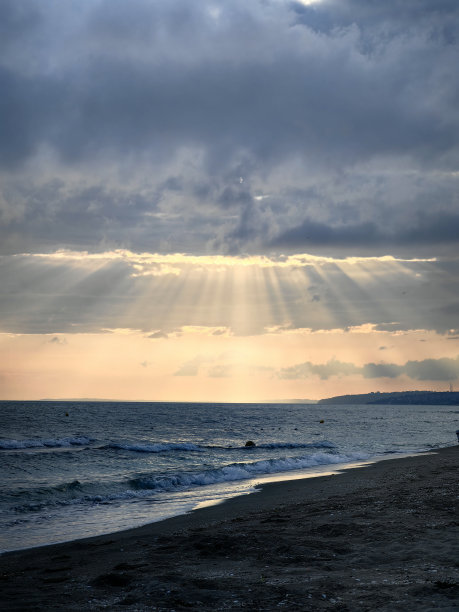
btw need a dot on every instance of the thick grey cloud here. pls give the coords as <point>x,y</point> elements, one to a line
<point>229,127</point>
<point>381,370</point>
<point>444,369</point>
<point>433,369</point>
<point>428,229</point>
<point>161,75</point>
<point>324,371</point>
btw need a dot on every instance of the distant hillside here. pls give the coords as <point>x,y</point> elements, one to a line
<point>431,398</point>
<point>290,401</point>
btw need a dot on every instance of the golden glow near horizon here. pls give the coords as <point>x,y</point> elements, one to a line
<point>181,327</point>
<point>198,364</point>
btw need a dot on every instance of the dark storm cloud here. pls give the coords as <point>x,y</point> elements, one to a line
<point>57,214</point>
<point>28,108</point>
<point>144,77</point>
<point>427,229</point>
<point>342,114</point>
<point>185,78</point>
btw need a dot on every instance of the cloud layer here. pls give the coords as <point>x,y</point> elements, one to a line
<point>229,127</point>
<point>444,369</point>
<point>79,292</point>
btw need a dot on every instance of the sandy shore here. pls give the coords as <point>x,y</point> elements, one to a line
<point>383,537</point>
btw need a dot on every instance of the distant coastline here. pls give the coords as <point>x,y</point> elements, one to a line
<point>429,398</point>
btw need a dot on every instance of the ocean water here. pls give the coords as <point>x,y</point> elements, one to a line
<point>76,469</point>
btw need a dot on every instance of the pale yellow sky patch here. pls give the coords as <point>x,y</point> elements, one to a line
<point>139,259</point>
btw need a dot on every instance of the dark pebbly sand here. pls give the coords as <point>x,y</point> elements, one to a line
<point>382,537</point>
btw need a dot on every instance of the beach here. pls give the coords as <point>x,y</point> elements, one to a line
<point>379,537</point>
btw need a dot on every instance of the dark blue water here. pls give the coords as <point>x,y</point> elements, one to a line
<point>74,469</point>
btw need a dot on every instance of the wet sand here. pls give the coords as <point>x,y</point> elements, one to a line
<point>383,537</point>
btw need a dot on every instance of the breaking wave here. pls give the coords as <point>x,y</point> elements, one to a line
<point>44,443</point>
<point>240,471</point>
<point>76,492</point>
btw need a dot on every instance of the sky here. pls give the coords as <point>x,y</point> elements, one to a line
<point>228,200</point>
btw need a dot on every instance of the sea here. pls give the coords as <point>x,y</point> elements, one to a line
<point>73,469</point>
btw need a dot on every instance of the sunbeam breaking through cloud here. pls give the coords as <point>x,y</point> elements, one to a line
<point>291,325</point>
<point>206,200</point>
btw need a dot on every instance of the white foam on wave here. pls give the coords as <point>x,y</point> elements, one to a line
<point>159,447</point>
<point>142,487</point>
<point>44,443</point>
<point>241,471</point>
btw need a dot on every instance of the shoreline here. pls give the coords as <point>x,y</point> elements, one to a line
<point>290,540</point>
<point>253,484</point>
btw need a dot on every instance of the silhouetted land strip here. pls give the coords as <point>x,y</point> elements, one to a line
<point>382,537</point>
<point>429,398</point>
